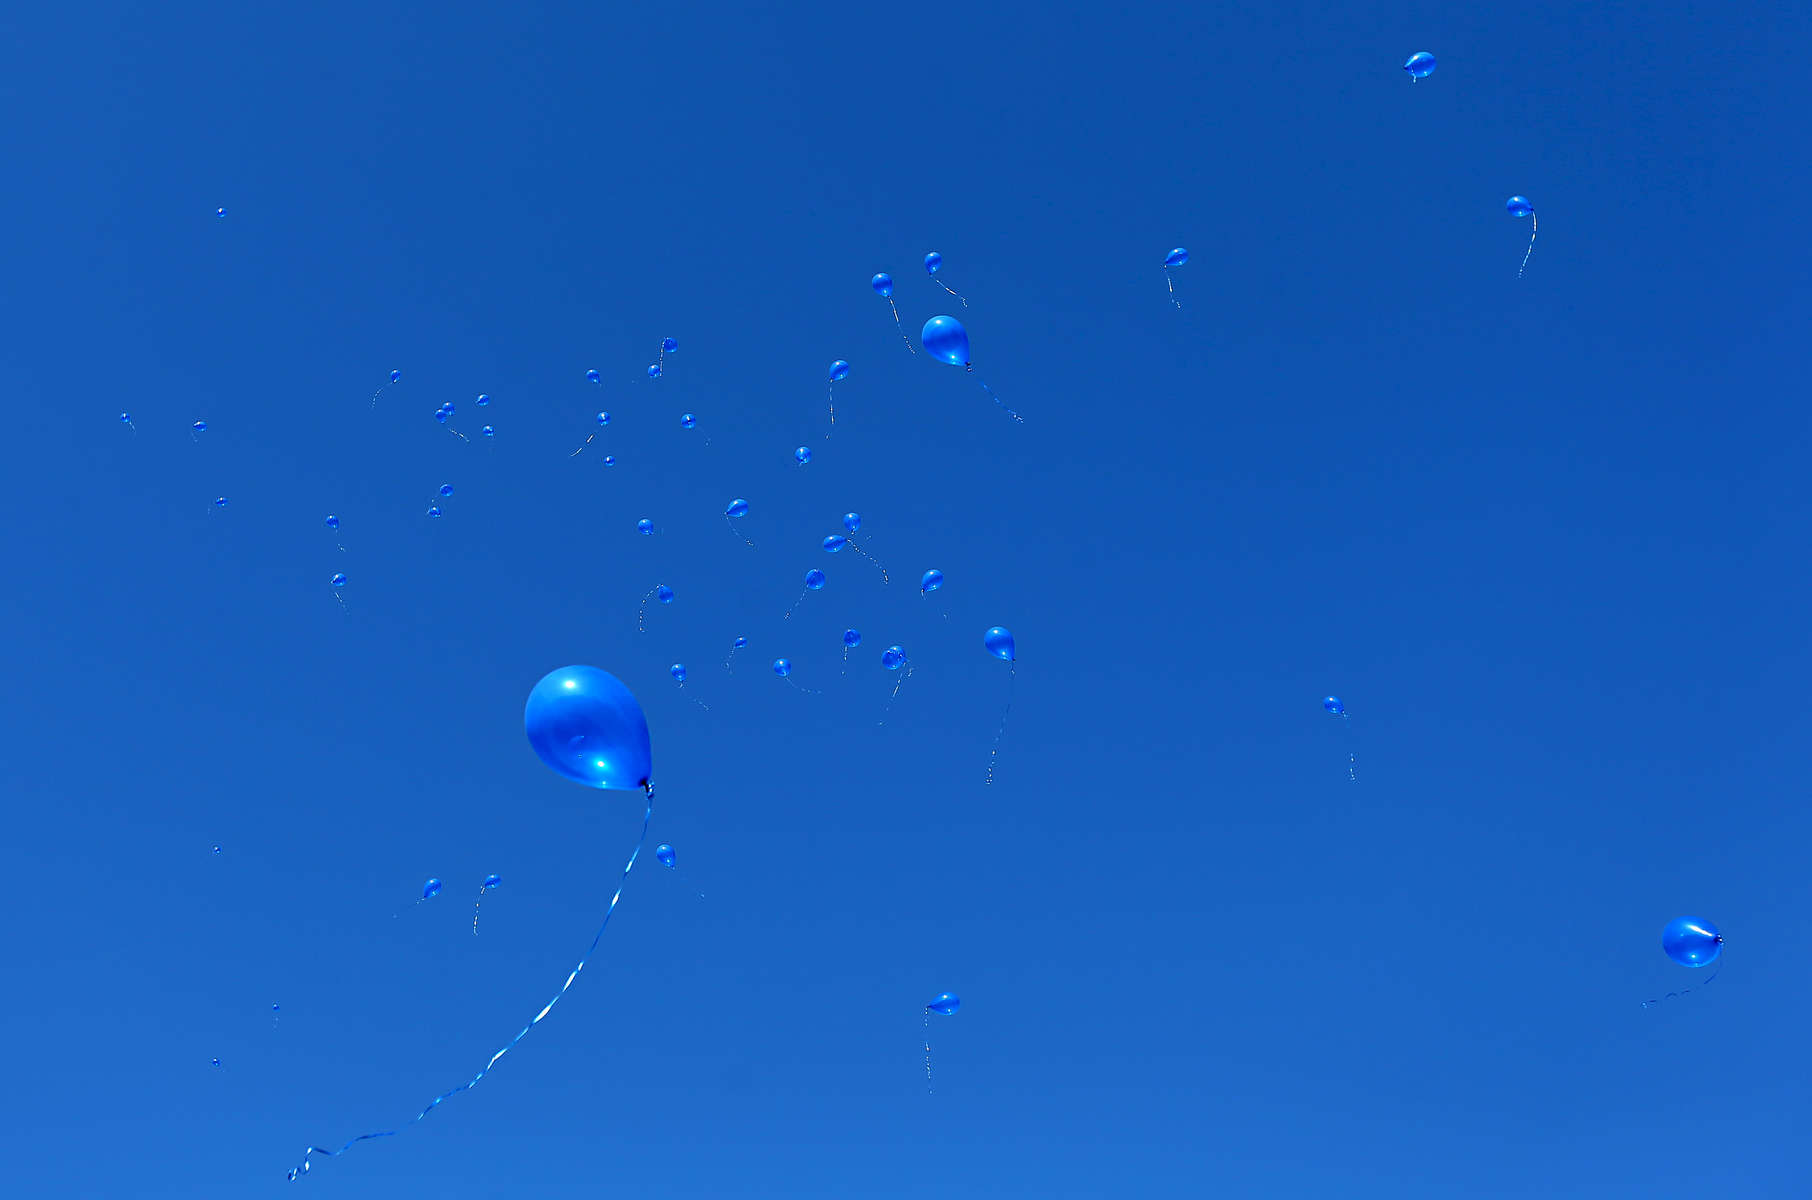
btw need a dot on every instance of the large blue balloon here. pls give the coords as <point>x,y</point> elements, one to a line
<point>587,726</point>
<point>946,1004</point>
<point>1692,941</point>
<point>999,643</point>
<point>945,339</point>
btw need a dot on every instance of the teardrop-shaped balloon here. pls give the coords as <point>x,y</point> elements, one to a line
<point>782,667</point>
<point>663,854</point>
<point>339,579</point>
<point>852,521</point>
<point>1519,206</point>
<point>999,643</point>
<point>593,376</point>
<point>834,543</point>
<point>1176,258</point>
<point>931,581</point>
<point>814,579</point>
<point>945,339</point>
<point>395,375</point>
<point>838,370</point>
<point>678,671</point>
<point>584,724</point>
<point>644,526</point>
<point>1333,705</point>
<point>945,1004</point>
<point>882,284</point>
<point>430,889</point>
<point>1692,941</point>
<point>1421,65</point>
<point>491,881</point>
<point>933,261</point>
<point>737,508</point>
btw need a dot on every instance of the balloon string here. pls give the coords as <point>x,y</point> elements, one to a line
<point>1684,991</point>
<point>946,287</point>
<point>1352,761</point>
<point>745,538</point>
<point>728,657</point>
<point>897,685</point>
<point>694,699</point>
<point>872,559</point>
<point>833,411</point>
<point>1170,283</point>
<point>581,449</point>
<point>641,616</point>
<point>475,905</point>
<point>928,1050</point>
<point>902,326</point>
<point>302,1169</point>
<point>1531,249</point>
<point>997,399</point>
<point>799,687</point>
<point>994,753</point>
<point>462,437</point>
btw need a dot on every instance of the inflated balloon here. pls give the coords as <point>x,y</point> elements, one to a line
<point>220,212</point>
<point>338,580</point>
<point>197,427</point>
<point>834,543</point>
<point>735,509</point>
<point>220,502</point>
<point>1519,207</point>
<point>802,455</point>
<point>838,370</point>
<point>659,591</point>
<point>944,1004</point>
<point>668,345</point>
<point>1421,65</point>
<point>736,645</point>
<point>593,376</point>
<point>688,420</point>
<point>1173,260</point>
<point>933,261</point>
<point>1336,707</point>
<point>678,671</point>
<point>584,724</point>
<point>487,431</point>
<point>483,400</point>
<point>663,854</point>
<point>333,522</point>
<point>851,639</point>
<point>430,890</point>
<point>1691,942</point>
<point>998,641</point>
<point>126,420</point>
<point>654,370</point>
<point>394,376</point>
<point>601,420</point>
<point>930,581</point>
<point>644,526</point>
<point>782,667</point>
<point>893,658</point>
<point>852,522</point>
<point>446,489</point>
<point>883,286</point>
<point>490,881</point>
<point>814,581</point>
<point>947,341</point>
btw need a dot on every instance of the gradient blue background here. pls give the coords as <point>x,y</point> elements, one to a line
<point>1546,536</point>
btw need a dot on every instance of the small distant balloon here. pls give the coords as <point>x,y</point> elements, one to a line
<point>220,212</point>
<point>199,427</point>
<point>852,521</point>
<point>332,521</point>
<point>1420,65</point>
<point>593,376</point>
<point>483,400</point>
<point>782,667</point>
<point>678,671</point>
<point>688,420</point>
<point>802,455</point>
<point>488,431</point>
<point>446,489</point>
<point>945,1004</point>
<point>735,645</point>
<point>933,261</point>
<point>126,420</point>
<point>852,638</point>
<point>220,502</point>
<point>339,579</point>
<point>1519,207</point>
<point>663,854</point>
<point>838,370</point>
<point>883,286</point>
<point>1334,705</point>
<point>395,375</point>
<point>835,542</point>
<point>664,594</point>
<point>931,581</point>
<point>1173,260</point>
<point>735,509</point>
<point>893,658</point>
<point>644,526</point>
<point>998,641</point>
<point>430,889</point>
<point>814,579</point>
<point>654,370</point>
<point>669,345</point>
<point>946,340</point>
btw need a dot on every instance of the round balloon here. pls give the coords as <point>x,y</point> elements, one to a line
<point>838,370</point>
<point>1519,206</point>
<point>1421,65</point>
<point>663,854</point>
<point>999,643</point>
<point>882,284</point>
<point>1692,941</point>
<point>945,339</point>
<point>584,724</point>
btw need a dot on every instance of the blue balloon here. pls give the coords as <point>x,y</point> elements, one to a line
<point>782,667</point>
<point>946,1004</point>
<point>999,643</point>
<point>1176,258</point>
<point>430,889</point>
<point>678,671</point>
<point>593,376</point>
<point>332,521</point>
<point>687,420</point>
<point>931,581</point>
<point>663,854</point>
<point>654,370</point>
<point>610,460</point>
<point>487,431</point>
<point>802,455</point>
<point>490,881</point>
<point>215,1061</point>
<point>200,427</point>
<point>664,594</point>
<point>1333,705</point>
<point>1692,941</point>
<point>339,579</point>
<point>838,370</point>
<point>1421,65</point>
<point>740,642</point>
<point>933,261</point>
<point>446,489</point>
<point>483,400</point>
<point>737,508</point>
<point>945,339</point>
<point>852,638</point>
<point>852,521</point>
<point>126,417</point>
<point>441,415</point>
<point>1519,206</point>
<point>584,724</point>
<point>602,419</point>
<point>814,579</point>
<point>220,212</point>
<point>220,502</point>
<point>448,408</point>
<point>669,345</point>
<point>893,658</point>
<point>882,284</point>
<point>835,542</point>
<point>644,526</point>
<point>434,510</point>
<point>395,375</point>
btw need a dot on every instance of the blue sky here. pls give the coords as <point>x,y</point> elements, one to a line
<point>1544,535</point>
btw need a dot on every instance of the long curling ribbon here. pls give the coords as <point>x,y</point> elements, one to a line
<point>1685,991</point>
<point>300,1170</point>
<point>994,752</point>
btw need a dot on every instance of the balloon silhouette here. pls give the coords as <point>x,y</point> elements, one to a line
<point>126,420</point>
<point>430,890</point>
<point>944,1004</point>
<point>337,582</point>
<point>838,371</point>
<point>1519,207</point>
<point>883,286</point>
<point>930,581</point>
<point>834,543</point>
<point>1421,65</point>
<point>1691,942</point>
<point>1173,260</point>
<point>490,881</point>
<point>585,725</point>
<point>783,667</point>
<point>592,376</point>
<point>483,400</point>
<point>998,641</point>
<point>668,346</point>
<point>947,341</point>
<point>933,261</point>
<point>644,526</point>
<point>688,420</point>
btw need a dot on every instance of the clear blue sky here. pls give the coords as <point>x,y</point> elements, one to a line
<point>1546,536</point>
